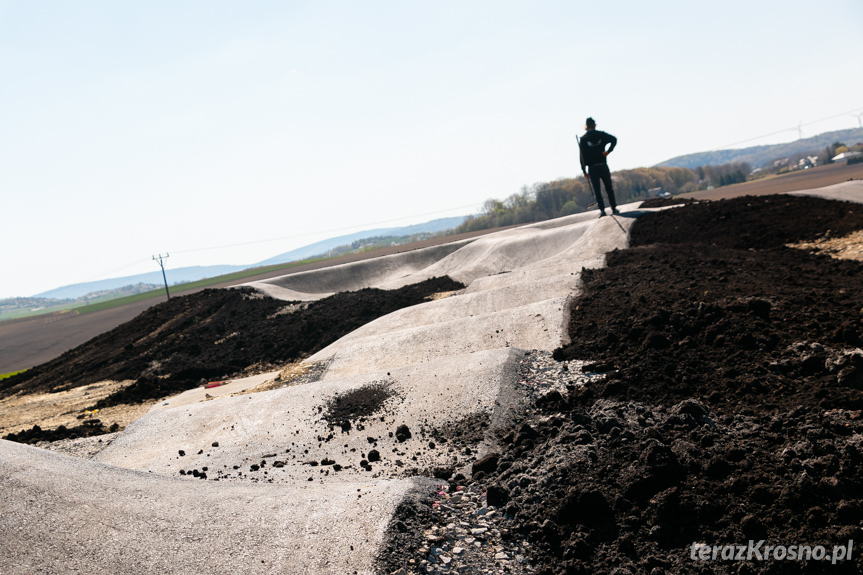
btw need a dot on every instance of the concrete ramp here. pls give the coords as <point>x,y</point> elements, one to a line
<point>317,284</point>
<point>851,191</point>
<point>305,479</point>
<point>505,251</point>
<point>535,326</point>
<point>293,435</point>
<point>67,515</point>
<point>534,246</point>
<point>519,285</point>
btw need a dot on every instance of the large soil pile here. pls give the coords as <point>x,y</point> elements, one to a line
<point>731,409</point>
<point>212,334</point>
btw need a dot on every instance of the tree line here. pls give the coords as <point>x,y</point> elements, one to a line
<point>548,200</point>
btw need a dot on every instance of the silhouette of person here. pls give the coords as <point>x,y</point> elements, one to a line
<point>594,165</point>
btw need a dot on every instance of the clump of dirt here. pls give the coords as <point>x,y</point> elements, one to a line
<point>346,410</point>
<point>36,434</point>
<point>460,437</point>
<point>731,407</point>
<point>461,434</point>
<point>665,202</point>
<point>214,334</point>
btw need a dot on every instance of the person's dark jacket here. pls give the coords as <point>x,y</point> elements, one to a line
<point>593,145</point>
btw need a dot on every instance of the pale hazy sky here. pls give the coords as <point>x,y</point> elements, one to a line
<point>133,128</point>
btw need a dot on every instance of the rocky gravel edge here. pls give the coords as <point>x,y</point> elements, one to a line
<point>455,526</point>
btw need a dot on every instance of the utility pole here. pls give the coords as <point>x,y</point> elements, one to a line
<point>159,258</point>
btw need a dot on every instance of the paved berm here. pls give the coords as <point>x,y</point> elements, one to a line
<point>578,396</point>
<point>364,419</point>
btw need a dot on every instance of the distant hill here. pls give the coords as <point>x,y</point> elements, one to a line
<point>195,273</point>
<point>322,247</point>
<point>175,276</point>
<point>760,156</point>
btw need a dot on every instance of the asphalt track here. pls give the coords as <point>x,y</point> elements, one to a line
<point>130,510</point>
<point>443,362</point>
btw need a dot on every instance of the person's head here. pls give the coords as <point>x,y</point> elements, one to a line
<point>589,124</point>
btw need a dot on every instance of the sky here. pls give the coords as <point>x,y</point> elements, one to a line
<point>229,132</point>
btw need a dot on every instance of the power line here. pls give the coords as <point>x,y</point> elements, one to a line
<point>330,231</point>
<point>793,128</point>
<point>294,236</point>
<point>117,270</point>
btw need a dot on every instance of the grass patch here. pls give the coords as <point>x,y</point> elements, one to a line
<point>23,313</point>
<point>7,375</point>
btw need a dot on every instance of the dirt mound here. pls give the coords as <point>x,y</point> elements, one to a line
<point>758,223</point>
<point>36,434</point>
<point>728,326</point>
<point>731,408</point>
<point>213,334</point>
<point>355,407</point>
<point>665,202</point>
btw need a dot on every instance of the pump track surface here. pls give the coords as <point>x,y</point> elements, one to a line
<point>642,393</point>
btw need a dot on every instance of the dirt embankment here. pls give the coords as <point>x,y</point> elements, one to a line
<point>731,407</point>
<point>213,334</point>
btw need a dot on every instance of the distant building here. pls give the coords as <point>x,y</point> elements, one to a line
<point>807,162</point>
<point>845,156</point>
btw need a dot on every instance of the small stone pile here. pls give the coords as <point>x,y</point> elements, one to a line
<point>466,535</point>
<point>540,373</point>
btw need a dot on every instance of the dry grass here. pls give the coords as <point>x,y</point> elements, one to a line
<point>443,294</point>
<point>69,408</point>
<point>848,247</point>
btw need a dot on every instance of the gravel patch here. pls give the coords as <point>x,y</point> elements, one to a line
<point>83,447</point>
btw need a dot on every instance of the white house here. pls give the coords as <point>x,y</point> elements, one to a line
<point>845,156</point>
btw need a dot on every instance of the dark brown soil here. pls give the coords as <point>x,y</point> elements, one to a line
<point>665,202</point>
<point>355,407</point>
<point>36,434</point>
<point>213,334</point>
<point>731,410</point>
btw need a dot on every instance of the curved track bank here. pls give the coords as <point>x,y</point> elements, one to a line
<point>306,478</point>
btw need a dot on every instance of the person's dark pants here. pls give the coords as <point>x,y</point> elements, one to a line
<point>600,172</point>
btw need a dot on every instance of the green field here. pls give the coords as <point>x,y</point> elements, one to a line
<point>190,286</point>
<point>108,302</point>
<point>19,313</point>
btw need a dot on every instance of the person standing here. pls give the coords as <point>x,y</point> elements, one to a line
<point>594,165</point>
